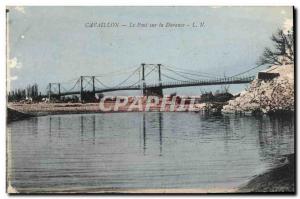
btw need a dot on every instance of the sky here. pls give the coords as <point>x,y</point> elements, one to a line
<point>57,44</point>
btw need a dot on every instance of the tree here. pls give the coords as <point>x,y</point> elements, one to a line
<point>31,91</point>
<point>282,51</point>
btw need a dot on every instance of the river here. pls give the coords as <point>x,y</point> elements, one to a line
<point>145,150</point>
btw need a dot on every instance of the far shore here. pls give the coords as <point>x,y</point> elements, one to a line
<point>40,109</point>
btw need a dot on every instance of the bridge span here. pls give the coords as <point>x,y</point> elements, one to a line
<point>156,89</point>
<point>183,78</point>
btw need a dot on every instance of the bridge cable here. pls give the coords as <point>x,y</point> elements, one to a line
<point>192,74</point>
<point>181,75</point>
<point>127,77</point>
<point>118,72</point>
<point>198,75</point>
<point>69,81</point>
<point>120,82</point>
<point>100,82</point>
<point>248,70</point>
<point>164,75</point>
<point>191,71</point>
<point>147,74</point>
<point>73,86</point>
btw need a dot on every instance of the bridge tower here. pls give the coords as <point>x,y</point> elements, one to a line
<point>93,84</point>
<point>86,95</point>
<point>54,95</point>
<point>157,91</point>
<point>81,88</point>
<point>58,89</point>
<point>49,91</point>
<point>143,78</point>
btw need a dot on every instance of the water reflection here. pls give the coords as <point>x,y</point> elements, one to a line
<point>81,127</point>
<point>274,135</point>
<point>59,126</point>
<point>56,122</point>
<point>272,132</point>
<point>144,132</point>
<point>146,150</point>
<point>94,128</point>
<point>50,126</point>
<point>160,132</point>
<point>155,121</point>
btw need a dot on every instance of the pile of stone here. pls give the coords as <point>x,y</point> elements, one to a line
<point>266,95</point>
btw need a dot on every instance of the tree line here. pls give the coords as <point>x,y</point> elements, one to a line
<point>31,93</point>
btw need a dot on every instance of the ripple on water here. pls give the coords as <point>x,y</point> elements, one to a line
<point>145,150</point>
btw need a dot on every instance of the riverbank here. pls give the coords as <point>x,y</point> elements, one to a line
<point>13,115</point>
<point>279,179</point>
<point>40,109</point>
<point>271,92</point>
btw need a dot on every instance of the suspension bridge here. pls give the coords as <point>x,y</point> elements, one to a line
<point>175,78</point>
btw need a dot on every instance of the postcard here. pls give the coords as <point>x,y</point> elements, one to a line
<point>164,100</point>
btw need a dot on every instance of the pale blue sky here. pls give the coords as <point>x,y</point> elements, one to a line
<point>52,44</point>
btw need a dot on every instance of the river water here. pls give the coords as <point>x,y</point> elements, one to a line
<point>145,150</point>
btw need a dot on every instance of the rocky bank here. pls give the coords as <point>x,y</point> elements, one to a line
<point>266,95</point>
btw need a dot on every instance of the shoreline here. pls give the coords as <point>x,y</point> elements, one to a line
<point>42,109</point>
<point>116,191</point>
<point>279,179</point>
<point>20,111</point>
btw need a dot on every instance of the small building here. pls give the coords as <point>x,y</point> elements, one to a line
<point>267,76</point>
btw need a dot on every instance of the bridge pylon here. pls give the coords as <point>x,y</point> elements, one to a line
<point>52,95</point>
<point>157,91</point>
<point>86,95</point>
<point>81,88</point>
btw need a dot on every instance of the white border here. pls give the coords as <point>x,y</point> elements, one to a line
<point>153,2</point>
<point>4,3</point>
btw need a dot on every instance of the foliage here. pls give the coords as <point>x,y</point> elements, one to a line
<point>282,51</point>
<point>31,92</point>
